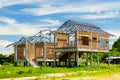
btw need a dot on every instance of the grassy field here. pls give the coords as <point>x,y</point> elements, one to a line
<point>9,71</point>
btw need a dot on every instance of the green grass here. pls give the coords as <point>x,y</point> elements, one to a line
<point>10,71</point>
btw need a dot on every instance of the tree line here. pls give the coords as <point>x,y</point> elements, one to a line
<point>4,59</point>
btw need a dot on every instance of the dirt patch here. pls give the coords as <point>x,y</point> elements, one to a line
<point>59,76</point>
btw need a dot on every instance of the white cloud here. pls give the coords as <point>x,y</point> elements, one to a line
<point>115,32</point>
<point>12,27</point>
<point>6,50</point>
<point>7,20</point>
<point>100,15</point>
<point>74,8</point>
<point>51,22</point>
<point>5,3</point>
<point>4,43</point>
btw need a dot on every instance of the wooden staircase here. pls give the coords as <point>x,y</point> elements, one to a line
<point>64,56</point>
<point>32,63</point>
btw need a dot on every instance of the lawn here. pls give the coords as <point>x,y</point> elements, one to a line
<point>10,71</point>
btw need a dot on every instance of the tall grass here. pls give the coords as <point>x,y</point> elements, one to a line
<point>9,71</point>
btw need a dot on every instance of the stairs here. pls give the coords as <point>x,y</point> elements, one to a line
<point>32,63</point>
<point>64,56</point>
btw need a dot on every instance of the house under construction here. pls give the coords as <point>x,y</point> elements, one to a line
<point>65,45</point>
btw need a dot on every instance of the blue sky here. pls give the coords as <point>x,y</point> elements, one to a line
<point>26,17</point>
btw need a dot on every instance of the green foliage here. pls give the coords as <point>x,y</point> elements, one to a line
<point>4,59</point>
<point>11,56</point>
<point>115,51</point>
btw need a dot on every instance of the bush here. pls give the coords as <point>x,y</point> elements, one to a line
<point>20,72</point>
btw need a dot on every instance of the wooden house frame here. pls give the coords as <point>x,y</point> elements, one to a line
<point>87,38</point>
<point>71,40</point>
<point>33,49</point>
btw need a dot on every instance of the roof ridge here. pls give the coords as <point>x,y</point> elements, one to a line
<point>82,23</point>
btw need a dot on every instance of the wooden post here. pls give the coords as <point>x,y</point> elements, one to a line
<point>50,36</point>
<point>68,40</point>
<point>54,59</point>
<point>97,59</point>
<point>26,53</point>
<point>65,62</point>
<point>59,62</point>
<point>75,60</point>
<point>15,52</point>
<point>69,60</point>
<point>35,51</point>
<point>54,51</point>
<point>91,59</point>
<point>44,50</point>
<point>77,57</point>
<point>108,58</point>
<point>87,59</point>
<point>77,43</point>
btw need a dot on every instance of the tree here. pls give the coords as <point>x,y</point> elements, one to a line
<point>115,51</point>
<point>11,56</point>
